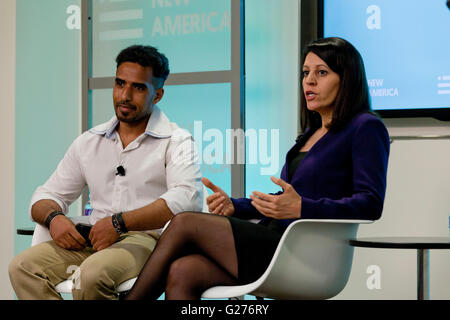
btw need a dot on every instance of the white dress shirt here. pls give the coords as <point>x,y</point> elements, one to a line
<point>161,163</point>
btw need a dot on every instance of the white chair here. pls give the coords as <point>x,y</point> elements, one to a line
<point>42,234</point>
<point>312,261</point>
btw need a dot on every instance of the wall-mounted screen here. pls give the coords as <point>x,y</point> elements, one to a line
<point>405,45</point>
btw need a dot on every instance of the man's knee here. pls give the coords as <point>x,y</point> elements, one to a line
<point>22,264</point>
<point>27,277</point>
<point>99,275</point>
<point>92,281</point>
<point>16,267</point>
<point>92,275</point>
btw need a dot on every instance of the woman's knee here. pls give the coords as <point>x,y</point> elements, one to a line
<point>182,272</point>
<point>182,218</point>
<point>183,222</point>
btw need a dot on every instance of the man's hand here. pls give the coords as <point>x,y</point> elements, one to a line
<point>65,235</point>
<point>103,234</point>
<point>219,202</point>
<point>287,205</point>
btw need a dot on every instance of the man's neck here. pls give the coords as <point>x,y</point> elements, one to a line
<point>128,132</point>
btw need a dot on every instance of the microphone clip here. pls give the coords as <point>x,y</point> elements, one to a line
<point>120,171</point>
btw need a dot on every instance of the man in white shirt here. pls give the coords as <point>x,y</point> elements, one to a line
<point>140,170</point>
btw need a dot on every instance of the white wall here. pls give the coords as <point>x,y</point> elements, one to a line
<point>417,204</point>
<point>7,88</point>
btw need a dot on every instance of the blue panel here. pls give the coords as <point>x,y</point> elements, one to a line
<point>405,45</point>
<point>47,96</point>
<point>102,108</point>
<point>194,34</point>
<point>272,86</point>
<point>205,111</point>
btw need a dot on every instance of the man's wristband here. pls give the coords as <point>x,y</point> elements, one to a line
<point>51,216</point>
<point>118,223</point>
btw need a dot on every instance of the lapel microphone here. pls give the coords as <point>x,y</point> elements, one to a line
<point>120,171</point>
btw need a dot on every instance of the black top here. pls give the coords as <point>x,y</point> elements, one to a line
<point>294,162</point>
<point>403,242</point>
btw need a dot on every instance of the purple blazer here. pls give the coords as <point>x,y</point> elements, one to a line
<point>343,176</point>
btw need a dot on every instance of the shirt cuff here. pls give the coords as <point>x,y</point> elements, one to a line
<point>180,199</point>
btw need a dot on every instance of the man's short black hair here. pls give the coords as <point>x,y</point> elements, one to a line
<point>146,56</point>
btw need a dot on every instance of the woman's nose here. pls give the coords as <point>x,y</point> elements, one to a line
<point>310,78</point>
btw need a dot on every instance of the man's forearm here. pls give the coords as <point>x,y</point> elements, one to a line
<point>42,208</point>
<point>153,216</point>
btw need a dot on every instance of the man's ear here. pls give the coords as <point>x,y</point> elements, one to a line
<point>159,93</point>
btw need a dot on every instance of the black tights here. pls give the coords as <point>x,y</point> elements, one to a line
<point>195,252</point>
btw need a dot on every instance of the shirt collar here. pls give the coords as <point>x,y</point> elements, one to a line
<point>158,126</point>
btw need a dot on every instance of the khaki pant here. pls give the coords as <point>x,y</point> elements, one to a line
<point>35,272</point>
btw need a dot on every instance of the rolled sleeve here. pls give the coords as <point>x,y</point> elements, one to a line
<point>183,176</point>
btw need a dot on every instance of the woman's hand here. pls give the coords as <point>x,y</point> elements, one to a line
<point>219,202</point>
<point>287,205</point>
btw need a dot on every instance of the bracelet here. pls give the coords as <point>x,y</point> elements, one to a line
<point>51,216</point>
<point>121,222</point>
<point>118,223</point>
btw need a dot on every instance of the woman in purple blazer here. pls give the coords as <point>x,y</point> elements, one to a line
<point>336,170</point>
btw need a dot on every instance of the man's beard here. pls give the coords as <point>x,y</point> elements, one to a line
<point>137,117</point>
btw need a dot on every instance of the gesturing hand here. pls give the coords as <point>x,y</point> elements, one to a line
<point>287,205</point>
<point>219,202</point>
